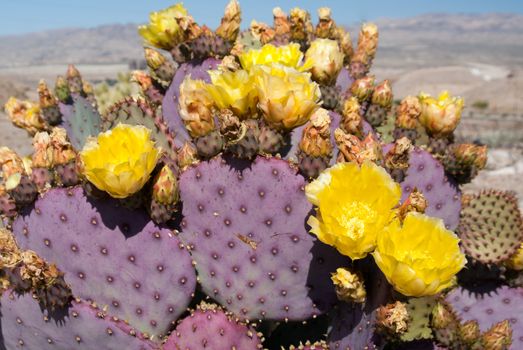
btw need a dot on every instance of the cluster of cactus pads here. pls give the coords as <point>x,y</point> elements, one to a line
<point>213,250</point>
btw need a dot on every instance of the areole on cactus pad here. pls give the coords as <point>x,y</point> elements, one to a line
<point>263,191</point>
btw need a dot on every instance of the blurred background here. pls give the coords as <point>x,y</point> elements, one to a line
<point>472,48</point>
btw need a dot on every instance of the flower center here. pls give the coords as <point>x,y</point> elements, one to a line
<point>353,218</point>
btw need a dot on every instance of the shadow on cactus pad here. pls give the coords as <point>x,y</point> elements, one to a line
<point>246,230</point>
<point>142,272</point>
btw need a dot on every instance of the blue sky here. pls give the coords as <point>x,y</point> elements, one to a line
<point>22,16</point>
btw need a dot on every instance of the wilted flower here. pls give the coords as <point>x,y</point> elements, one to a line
<point>420,257</point>
<point>230,25</point>
<point>327,60</point>
<point>349,286</point>
<point>120,161</point>
<point>440,116</point>
<point>315,140</point>
<point>352,212</point>
<point>234,91</point>
<point>408,112</point>
<point>196,107</point>
<point>25,115</point>
<point>287,55</point>
<point>286,97</point>
<point>471,155</point>
<point>163,30</point>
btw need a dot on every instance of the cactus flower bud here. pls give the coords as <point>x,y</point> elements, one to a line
<point>367,44</point>
<point>154,58</point>
<point>187,156</point>
<point>349,286</point>
<point>327,60</point>
<point>469,332</point>
<point>443,316</point>
<point>415,202</point>
<point>499,337</point>
<point>362,88</point>
<point>392,319</point>
<point>351,121</point>
<point>281,21</point>
<point>471,155</point>
<point>230,25</point>
<point>165,187</point>
<point>315,140</point>
<point>61,89</point>
<point>25,115</point>
<point>262,32</point>
<point>345,43</point>
<point>408,113</point>
<point>382,95</point>
<point>74,79</point>
<point>45,96</point>
<point>196,105</point>
<point>326,27</point>
<point>300,23</point>
<point>441,116</point>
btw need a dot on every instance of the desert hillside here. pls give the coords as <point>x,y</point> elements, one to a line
<point>476,56</point>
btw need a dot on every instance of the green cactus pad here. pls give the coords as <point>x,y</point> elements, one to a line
<point>248,41</point>
<point>386,130</point>
<point>491,228</point>
<point>419,310</point>
<point>81,120</point>
<point>139,112</point>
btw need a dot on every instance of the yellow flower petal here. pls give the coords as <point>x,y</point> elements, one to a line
<point>354,204</point>
<point>120,161</point>
<point>419,257</point>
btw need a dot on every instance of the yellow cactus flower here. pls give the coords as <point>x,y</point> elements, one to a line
<point>234,91</point>
<point>516,261</point>
<point>327,60</point>
<point>287,55</point>
<point>120,161</point>
<point>163,30</point>
<point>354,203</point>
<point>420,257</point>
<point>196,105</point>
<point>440,116</point>
<point>286,97</point>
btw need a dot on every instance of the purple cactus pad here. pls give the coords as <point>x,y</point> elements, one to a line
<point>211,328</point>
<point>427,175</point>
<point>112,256</point>
<point>490,308</point>
<point>247,232</point>
<point>25,326</point>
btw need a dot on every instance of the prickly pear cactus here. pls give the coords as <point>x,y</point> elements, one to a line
<point>262,191</point>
